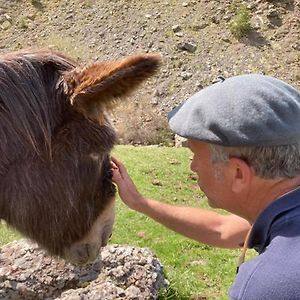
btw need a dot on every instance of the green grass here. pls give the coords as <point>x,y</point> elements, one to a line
<point>195,271</point>
<point>7,234</point>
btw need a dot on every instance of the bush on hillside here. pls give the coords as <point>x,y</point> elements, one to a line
<point>240,24</point>
<point>138,123</point>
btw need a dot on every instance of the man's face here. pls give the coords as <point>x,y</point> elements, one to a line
<point>212,178</point>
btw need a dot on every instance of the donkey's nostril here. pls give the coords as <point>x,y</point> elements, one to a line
<point>82,254</point>
<point>110,236</point>
<point>87,248</point>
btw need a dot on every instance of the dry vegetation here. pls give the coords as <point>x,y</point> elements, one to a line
<point>139,124</point>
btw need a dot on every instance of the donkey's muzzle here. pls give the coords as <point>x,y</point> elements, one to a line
<point>82,254</point>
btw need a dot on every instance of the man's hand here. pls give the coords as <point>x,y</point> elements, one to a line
<point>126,188</point>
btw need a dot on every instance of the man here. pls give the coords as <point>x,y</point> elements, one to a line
<point>244,133</point>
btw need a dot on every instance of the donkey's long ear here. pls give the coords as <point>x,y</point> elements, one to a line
<point>98,86</point>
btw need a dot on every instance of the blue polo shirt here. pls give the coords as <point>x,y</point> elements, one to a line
<point>275,273</point>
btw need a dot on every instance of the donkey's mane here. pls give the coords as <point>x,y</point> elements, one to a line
<point>29,103</point>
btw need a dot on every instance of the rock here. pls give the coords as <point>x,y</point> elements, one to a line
<point>5,25</point>
<point>180,141</point>
<point>179,34</point>
<point>156,182</point>
<point>176,28</point>
<point>198,27</point>
<point>187,46</point>
<point>225,38</point>
<point>8,17</point>
<point>120,272</point>
<point>296,46</point>
<point>186,75</point>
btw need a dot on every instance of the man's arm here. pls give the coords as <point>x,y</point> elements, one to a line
<point>208,227</point>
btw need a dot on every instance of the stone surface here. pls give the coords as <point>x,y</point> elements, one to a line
<point>122,272</point>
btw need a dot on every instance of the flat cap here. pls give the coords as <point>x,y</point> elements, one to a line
<point>245,110</point>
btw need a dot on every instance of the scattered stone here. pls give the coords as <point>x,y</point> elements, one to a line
<point>296,46</point>
<point>174,162</point>
<point>179,34</point>
<point>198,27</point>
<point>215,19</point>
<point>160,92</point>
<point>142,234</point>
<point>156,182</point>
<point>176,28</point>
<point>8,17</point>
<point>154,102</point>
<point>186,46</point>
<point>186,75</point>
<point>226,38</point>
<point>226,18</point>
<point>5,25</point>
<point>31,16</point>
<point>180,141</point>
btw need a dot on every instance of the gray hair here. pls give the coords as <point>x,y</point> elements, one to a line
<point>269,162</point>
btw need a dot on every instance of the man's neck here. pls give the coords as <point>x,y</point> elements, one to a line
<point>266,191</point>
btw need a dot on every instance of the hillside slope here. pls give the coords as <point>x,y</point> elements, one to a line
<point>192,36</point>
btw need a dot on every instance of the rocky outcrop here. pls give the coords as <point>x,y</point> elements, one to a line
<point>122,272</point>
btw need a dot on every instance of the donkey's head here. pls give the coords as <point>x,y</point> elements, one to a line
<point>55,180</point>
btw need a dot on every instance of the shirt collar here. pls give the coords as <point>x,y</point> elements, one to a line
<point>259,237</point>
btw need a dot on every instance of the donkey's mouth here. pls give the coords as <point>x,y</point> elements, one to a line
<point>82,254</point>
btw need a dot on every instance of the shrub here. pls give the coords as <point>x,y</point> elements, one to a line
<point>139,123</point>
<point>240,24</point>
<point>37,4</point>
<point>23,24</point>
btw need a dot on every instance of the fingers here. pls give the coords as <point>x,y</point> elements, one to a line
<point>126,187</point>
<point>118,170</point>
<point>115,161</point>
<point>119,165</point>
<point>113,166</point>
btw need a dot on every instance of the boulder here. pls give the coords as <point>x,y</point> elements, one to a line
<point>122,272</point>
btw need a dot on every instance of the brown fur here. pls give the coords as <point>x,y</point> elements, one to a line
<point>54,155</point>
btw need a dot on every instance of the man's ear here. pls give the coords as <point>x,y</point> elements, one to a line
<point>242,174</point>
<point>97,87</point>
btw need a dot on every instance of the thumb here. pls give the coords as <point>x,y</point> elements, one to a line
<point>116,175</point>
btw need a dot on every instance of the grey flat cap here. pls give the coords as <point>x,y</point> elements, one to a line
<point>246,110</point>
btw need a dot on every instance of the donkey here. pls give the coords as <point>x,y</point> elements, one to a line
<point>55,144</point>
